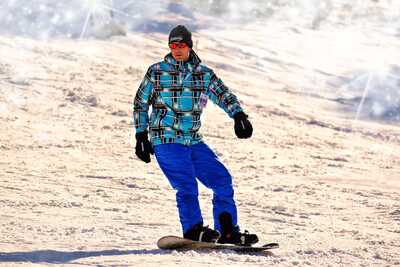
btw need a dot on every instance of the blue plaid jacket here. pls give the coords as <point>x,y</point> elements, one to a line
<point>177,93</point>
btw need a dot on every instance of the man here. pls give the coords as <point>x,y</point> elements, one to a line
<point>177,89</point>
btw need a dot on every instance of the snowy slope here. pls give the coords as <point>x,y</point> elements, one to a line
<point>319,176</point>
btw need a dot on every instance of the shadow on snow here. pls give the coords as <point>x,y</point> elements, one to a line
<point>53,256</point>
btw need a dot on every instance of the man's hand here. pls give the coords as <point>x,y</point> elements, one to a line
<point>143,147</point>
<point>243,128</point>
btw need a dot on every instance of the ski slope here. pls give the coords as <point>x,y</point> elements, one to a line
<point>319,80</point>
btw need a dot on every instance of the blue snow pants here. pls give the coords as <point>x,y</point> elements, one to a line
<point>182,165</point>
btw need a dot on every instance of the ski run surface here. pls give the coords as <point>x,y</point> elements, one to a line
<point>320,176</point>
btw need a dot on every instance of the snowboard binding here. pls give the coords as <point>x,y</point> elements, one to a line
<point>231,234</point>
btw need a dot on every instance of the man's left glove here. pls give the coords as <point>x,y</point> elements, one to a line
<point>143,147</point>
<point>243,128</point>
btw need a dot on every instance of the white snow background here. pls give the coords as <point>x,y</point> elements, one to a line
<point>319,79</point>
<point>352,29</point>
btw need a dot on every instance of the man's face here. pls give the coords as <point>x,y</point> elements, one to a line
<point>180,51</point>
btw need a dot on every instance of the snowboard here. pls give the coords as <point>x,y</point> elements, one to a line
<point>171,242</point>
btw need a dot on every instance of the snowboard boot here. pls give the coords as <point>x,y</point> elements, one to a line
<point>231,235</point>
<point>202,233</point>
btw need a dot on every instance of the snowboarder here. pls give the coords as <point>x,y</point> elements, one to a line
<point>177,89</point>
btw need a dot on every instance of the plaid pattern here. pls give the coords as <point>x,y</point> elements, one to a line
<point>176,92</point>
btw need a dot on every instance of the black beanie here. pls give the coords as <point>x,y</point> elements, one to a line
<point>180,34</point>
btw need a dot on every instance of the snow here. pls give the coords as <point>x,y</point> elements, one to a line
<point>319,80</point>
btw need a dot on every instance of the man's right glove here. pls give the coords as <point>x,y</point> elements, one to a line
<point>243,128</point>
<point>143,147</point>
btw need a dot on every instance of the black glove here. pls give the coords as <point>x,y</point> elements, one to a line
<point>143,147</point>
<point>243,128</point>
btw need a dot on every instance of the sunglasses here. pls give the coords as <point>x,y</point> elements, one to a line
<point>177,45</point>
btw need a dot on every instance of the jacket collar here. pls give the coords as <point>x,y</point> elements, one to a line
<point>193,61</point>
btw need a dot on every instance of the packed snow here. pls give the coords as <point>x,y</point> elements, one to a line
<point>319,79</point>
